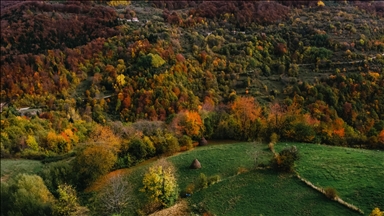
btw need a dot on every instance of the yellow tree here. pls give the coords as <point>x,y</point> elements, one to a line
<point>120,80</point>
<point>160,185</point>
<point>115,3</point>
<point>376,212</point>
<point>320,4</point>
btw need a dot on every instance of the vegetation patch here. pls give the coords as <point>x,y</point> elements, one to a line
<point>11,167</point>
<point>356,174</point>
<point>264,192</point>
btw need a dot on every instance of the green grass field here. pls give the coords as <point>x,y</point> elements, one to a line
<point>257,192</point>
<point>12,167</point>
<point>223,160</point>
<point>264,192</point>
<point>357,174</point>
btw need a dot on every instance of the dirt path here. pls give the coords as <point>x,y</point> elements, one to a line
<point>179,209</point>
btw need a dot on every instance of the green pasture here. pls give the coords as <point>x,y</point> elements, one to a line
<point>357,174</point>
<point>12,167</point>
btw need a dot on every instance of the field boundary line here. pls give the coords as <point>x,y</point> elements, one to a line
<point>321,190</point>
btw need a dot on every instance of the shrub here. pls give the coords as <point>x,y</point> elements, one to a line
<point>68,202</point>
<point>190,188</point>
<point>93,162</point>
<point>138,149</point>
<point>304,132</point>
<point>285,160</point>
<point>26,195</point>
<point>271,146</point>
<point>330,192</point>
<point>274,138</point>
<point>56,174</point>
<point>213,180</point>
<point>241,170</point>
<point>202,182</point>
<point>32,154</point>
<point>186,141</point>
<point>376,212</point>
<point>172,144</point>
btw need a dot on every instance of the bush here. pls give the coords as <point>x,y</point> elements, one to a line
<point>172,144</point>
<point>56,174</point>
<point>190,188</point>
<point>202,182</point>
<point>271,146</point>
<point>32,154</point>
<point>274,138</point>
<point>213,180</point>
<point>241,170</point>
<point>68,201</point>
<point>186,141</point>
<point>304,132</point>
<point>376,212</point>
<point>26,195</point>
<point>91,163</point>
<point>138,149</point>
<point>331,193</point>
<point>285,160</point>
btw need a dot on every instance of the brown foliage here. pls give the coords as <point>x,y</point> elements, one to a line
<point>245,12</point>
<point>104,136</point>
<point>188,123</point>
<point>330,192</point>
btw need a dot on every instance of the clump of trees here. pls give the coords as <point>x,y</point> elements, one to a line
<point>27,194</point>
<point>284,161</point>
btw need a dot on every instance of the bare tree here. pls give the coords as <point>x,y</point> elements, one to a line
<point>116,196</point>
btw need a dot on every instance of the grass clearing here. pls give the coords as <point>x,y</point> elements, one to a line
<point>356,174</point>
<point>251,193</point>
<point>12,167</point>
<point>264,192</point>
<point>223,160</point>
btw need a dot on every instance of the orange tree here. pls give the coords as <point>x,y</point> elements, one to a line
<point>246,113</point>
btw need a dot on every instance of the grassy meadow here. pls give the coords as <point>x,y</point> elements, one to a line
<point>357,174</point>
<point>265,192</point>
<point>12,167</point>
<point>258,192</point>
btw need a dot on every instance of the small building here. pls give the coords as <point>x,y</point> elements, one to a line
<point>26,111</point>
<point>135,19</point>
<point>2,105</point>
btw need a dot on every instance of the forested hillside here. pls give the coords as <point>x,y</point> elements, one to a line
<point>103,85</point>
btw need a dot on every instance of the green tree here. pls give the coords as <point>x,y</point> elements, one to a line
<point>68,203</point>
<point>26,195</point>
<point>160,185</point>
<point>93,162</point>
